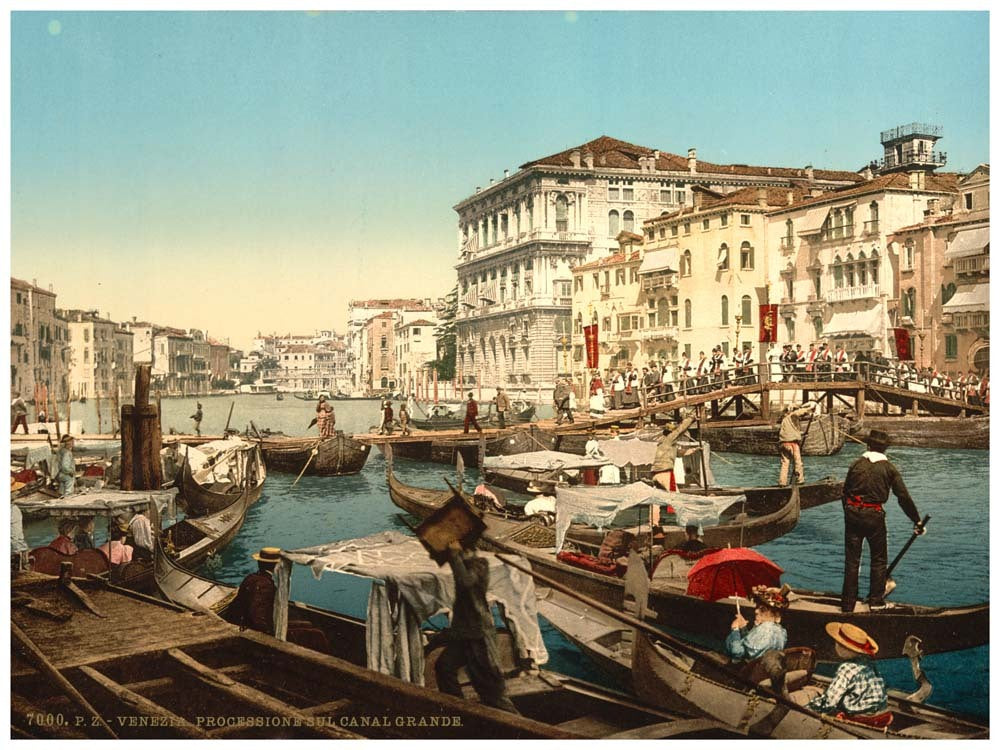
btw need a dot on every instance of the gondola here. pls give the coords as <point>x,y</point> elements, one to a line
<point>165,672</point>
<point>966,433</point>
<point>824,436</point>
<point>684,677</point>
<point>334,456</point>
<point>200,500</point>
<point>448,422</point>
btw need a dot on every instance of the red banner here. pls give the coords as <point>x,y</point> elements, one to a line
<point>590,337</point>
<point>768,316</point>
<point>902,337</point>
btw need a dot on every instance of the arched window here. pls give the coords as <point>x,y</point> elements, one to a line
<point>849,270</point>
<point>746,256</point>
<point>725,310</point>
<point>579,323</point>
<point>613,225</point>
<point>838,272</point>
<point>746,310</point>
<point>723,260</point>
<point>687,313</point>
<point>872,217</point>
<point>562,212</point>
<point>628,221</point>
<point>874,267</point>
<point>818,326</point>
<point>385,382</point>
<point>862,269</point>
<point>686,263</point>
<point>662,312</point>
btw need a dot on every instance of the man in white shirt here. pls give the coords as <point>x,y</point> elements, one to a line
<point>142,535</point>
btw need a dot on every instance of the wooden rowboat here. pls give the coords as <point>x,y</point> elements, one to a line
<point>447,422</point>
<point>699,682</point>
<point>200,500</point>
<point>825,437</point>
<point>165,672</point>
<point>335,456</point>
<point>968,433</point>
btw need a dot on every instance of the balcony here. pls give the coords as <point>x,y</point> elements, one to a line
<point>974,264</point>
<point>914,128</point>
<point>659,333</point>
<point>845,232</point>
<point>969,320</point>
<point>871,227</point>
<point>787,243</point>
<point>913,158</point>
<point>847,293</point>
<point>652,282</point>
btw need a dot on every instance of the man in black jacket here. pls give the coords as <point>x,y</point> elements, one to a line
<point>866,490</point>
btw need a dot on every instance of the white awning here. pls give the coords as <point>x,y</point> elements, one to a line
<point>659,260</point>
<point>723,259</point>
<point>812,222</point>
<point>974,298</point>
<point>968,242</point>
<point>857,323</point>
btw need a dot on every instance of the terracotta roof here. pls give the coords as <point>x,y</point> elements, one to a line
<point>966,217</point>
<point>747,197</point>
<point>618,154</point>
<point>608,260</point>
<point>294,348</point>
<point>421,322</point>
<point>934,183</point>
<point>19,284</point>
<point>405,304</point>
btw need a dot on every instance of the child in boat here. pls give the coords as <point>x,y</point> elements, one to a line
<point>767,633</point>
<point>857,691</point>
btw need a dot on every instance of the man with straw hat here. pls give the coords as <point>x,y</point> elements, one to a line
<point>254,604</point>
<point>857,691</point>
<point>767,633</point>
<point>866,490</point>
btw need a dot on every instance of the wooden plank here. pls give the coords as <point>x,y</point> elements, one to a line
<point>255,698</point>
<point>144,707</point>
<point>668,729</point>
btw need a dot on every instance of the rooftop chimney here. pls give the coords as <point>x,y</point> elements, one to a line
<point>656,154</point>
<point>506,173</point>
<point>791,197</point>
<point>692,160</point>
<point>588,159</point>
<point>867,173</point>
<point>815,192</point>
<point>932,207</point>
<point>810,174</point>
<point>478,188</point>
<point>574,158</point>
<point>916,180</point>
<point>604,160</point>
<point>762,197</point>
<point>491,180</point>
<point>696,197</point>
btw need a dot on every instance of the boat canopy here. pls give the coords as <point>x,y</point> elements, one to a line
<point>543,461</point>
<point>101,502</point>
<point>408,587</point>
<point>597,506</point>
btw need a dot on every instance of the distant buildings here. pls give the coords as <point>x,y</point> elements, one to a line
<point>372,360</point>
<point>101,355</point>
<point>415,350</point>
<point>183,362</point>
<point>40,352</point>
<point>301,362</point>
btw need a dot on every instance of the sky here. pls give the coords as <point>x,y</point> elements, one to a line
<point>254,171</point>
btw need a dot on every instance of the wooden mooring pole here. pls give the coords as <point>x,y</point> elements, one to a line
<point>141,438</point>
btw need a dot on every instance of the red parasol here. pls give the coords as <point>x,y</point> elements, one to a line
<point>731,572</point>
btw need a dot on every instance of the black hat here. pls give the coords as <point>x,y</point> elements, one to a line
<point>878,439</point>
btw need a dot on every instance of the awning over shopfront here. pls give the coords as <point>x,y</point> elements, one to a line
<point>968,242</point>
<point>972,298</point>
<point>655,261</point>
<point>856,323</point>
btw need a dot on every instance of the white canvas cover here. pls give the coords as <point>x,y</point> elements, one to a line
<point>408,588</point>
<point>99,502</point>
<point>856,323</point>
<point>659,260</point>
<point>972,298</point>
<point>543,461</point>
<point>597,506</point>
<point>968,242</point>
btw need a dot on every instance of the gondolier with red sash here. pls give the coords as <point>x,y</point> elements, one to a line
<point>866,490</point>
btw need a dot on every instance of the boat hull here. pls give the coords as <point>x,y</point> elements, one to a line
<point>825,437</point>
<point>200,501</point>
<point>336,456</point>
<point>963,433</point>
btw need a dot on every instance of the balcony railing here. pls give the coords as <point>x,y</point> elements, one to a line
<point>914,128</point>
<point>658,333</point>
<point>871,227</point>
<point>964,321</point>
<point>843,294</point>
<point>837,233</point>
<point>975,264</point>
<point>915,157</point>
<point>787,243</point>
<point>658,281</point>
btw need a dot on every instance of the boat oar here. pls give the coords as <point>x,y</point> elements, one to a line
<point>652,632</point>
<point>889,583</point>
<point>226,430</point>
<point>38,660</point>
<point>312,455</point>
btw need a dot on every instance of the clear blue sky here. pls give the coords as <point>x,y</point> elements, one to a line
<point>241,171</point>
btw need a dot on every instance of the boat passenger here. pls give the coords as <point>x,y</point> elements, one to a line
<point>141,531</point>
<point>693,543</point>
<point>767,633</point>
<point>857,690</point>
<point>115,549</point>
<point>64,542</point>
<point>84,538</point>
<point>471,637</point>
<point>543,503</point>
<point>593,448</point>
<point>254,604</point>
<point>326,418</point>
<point>66,467</point>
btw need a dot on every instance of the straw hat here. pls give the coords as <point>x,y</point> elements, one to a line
<point>268,555</point>
<point>852,638</point>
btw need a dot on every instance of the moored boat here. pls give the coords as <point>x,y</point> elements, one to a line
<point>329,457</point>
<point>823,436</point>
<point>233,471</point>
<point>968,433</point>
<point>442,419</point>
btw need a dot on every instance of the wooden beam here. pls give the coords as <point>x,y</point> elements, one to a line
<point>145,707</point>
<point>259,700</point>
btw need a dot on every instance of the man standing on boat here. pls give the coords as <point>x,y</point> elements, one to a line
<point>866,491</point>
<point>666,456</point>
<point>503,406</point>
<point>197,416</point>
<point>66,467</point>
<point>254,604</point>
<point>471,637</point>
<point>789,443</point>
<point>471,414</point>
<point>326,418</point>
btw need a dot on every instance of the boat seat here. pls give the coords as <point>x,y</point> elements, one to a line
<point>797,665</point>
<point>878,721</point>
<point>47,560</point>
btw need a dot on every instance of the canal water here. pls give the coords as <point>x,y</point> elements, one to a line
<point>947,566</point>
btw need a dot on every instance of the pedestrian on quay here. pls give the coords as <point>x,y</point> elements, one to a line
<point>561,398</point>
<point>618,390</point>
<point>596,395</point>
<point>18,414</point>
<point>385,428</point>
<point>471,415</point>
<point>502,401</point>
<point>197,417</point>
<point>404,419</point>
<point>866,491</point>
<point>254,604</point>
<point>790,442</point>
<point>470,639</point>
<point>66,466</point>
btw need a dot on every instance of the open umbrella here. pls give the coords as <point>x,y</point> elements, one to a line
<point>731,572</point>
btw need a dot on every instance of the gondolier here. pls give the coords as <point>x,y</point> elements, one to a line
<point>790,443</point>
<point>326,418</point>
<point>866,490</point>
<point>666,456</point>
